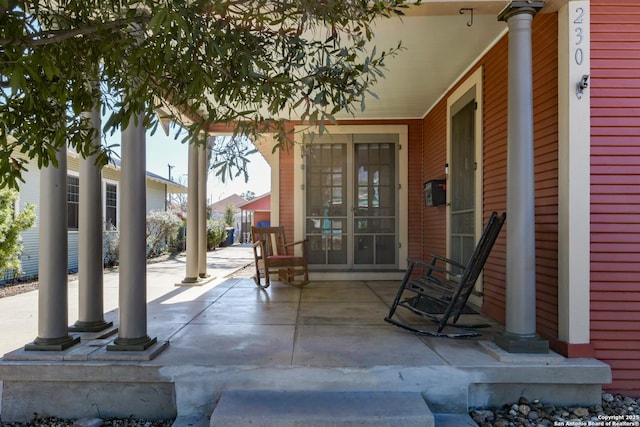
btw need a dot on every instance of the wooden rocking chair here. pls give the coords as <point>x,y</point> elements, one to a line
<point>273,255</point>
<point>442,290</point>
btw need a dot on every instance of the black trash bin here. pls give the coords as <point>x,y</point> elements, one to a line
<point>229,239</point>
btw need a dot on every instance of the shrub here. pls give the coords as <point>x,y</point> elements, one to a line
<point>111,245</point>
<point>230,215</point>
<point>162,226</point>
<point>216,233</point>
<point>12,223</point>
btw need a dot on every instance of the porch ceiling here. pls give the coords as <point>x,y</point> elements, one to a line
<point>439,47</point>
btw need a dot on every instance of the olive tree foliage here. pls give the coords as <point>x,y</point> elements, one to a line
<point>249,64</point>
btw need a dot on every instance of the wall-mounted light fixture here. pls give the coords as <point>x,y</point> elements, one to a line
<point>582,85</point>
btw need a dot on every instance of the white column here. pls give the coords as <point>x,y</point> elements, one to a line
<point>132,327</point>
<point>53,305</point>
<point>90,256</point>
<point>192,216</point>
<point>520,329</point>
<point>574,149</point>
<point>202,211</point>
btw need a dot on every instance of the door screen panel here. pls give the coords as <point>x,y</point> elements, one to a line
<point>462,184</point>
<point>375,211</point>
<point>326,204</point>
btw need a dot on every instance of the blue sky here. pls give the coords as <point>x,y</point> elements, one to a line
<point>163,150</point>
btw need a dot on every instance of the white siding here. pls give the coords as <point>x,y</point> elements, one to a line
<point>72,241</point>
<point>30,193</point>
<point>155,196</point>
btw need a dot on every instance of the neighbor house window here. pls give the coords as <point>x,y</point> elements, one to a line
<point>73,197</point>
<point>111,205</point>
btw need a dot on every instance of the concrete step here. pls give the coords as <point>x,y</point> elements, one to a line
<point>317,408</point>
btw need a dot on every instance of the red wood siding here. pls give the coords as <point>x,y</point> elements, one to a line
<point>263,216</point>
<point>286,188</point>
<point>416,198</point>
<point>262,203</point>
<point>433,162</point>
<point>545,130</point>
<point>615,189</point>
<point>495,65</point>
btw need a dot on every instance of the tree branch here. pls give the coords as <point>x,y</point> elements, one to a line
<point>57,36</point>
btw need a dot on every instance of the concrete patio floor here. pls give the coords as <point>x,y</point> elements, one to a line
<point>227,335</point>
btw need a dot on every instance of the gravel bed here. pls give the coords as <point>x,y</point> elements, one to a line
<point>12,289</point>
<point>89,422</point>
<point>616,410</point>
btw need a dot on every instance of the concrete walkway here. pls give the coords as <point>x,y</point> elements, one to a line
<point>19,313</point>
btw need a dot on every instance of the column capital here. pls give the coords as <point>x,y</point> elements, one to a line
<point>519,7</point>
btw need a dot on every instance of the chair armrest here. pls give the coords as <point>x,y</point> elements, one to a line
<point>432,267</point>
<point>299,242</point>
<point>447,261</point>
<point>258,245</point>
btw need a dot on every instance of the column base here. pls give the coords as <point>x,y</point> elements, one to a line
<point>132,344</point>
<point>52,344</point>
<point>196,281</point>
<point>90,326</point>
<point>203,275</point>
<point>514,343</point>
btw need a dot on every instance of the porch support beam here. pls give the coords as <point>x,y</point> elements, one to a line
<point>520,329</point>
<point>192,216</point>
<point>202,211</point>
<point>132,328</point>
<point>90,226</point>
<point>53,304</point>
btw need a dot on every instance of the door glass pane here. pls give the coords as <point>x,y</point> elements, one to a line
<point>325,205</point>
<point>375,207</point>
<point>462,183</point>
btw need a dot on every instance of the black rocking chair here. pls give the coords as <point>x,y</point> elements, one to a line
<point>442,290</point>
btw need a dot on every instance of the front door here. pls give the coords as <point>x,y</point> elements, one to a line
<point>351,217</point>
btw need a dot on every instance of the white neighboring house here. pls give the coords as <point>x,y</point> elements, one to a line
<point>158,189</point>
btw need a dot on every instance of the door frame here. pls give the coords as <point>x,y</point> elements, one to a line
<point>403,177</point>
<point>473,83</point>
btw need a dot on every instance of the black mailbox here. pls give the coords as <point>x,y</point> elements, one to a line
<point>435,192</point>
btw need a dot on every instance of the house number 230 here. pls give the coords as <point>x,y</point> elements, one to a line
<point>579,21</point>
<point>580,42</point>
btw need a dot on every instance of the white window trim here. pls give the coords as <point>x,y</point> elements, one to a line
<point>104,202</point>
<point>77,175</point>
<point>472,83</point>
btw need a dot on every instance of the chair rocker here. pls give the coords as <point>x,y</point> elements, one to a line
<point>273,255</point>
<point>441,291</point>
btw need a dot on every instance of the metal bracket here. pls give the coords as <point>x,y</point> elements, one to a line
<point>467,9</point>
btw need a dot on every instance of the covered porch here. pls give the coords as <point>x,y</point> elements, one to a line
<point>228,336</point>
